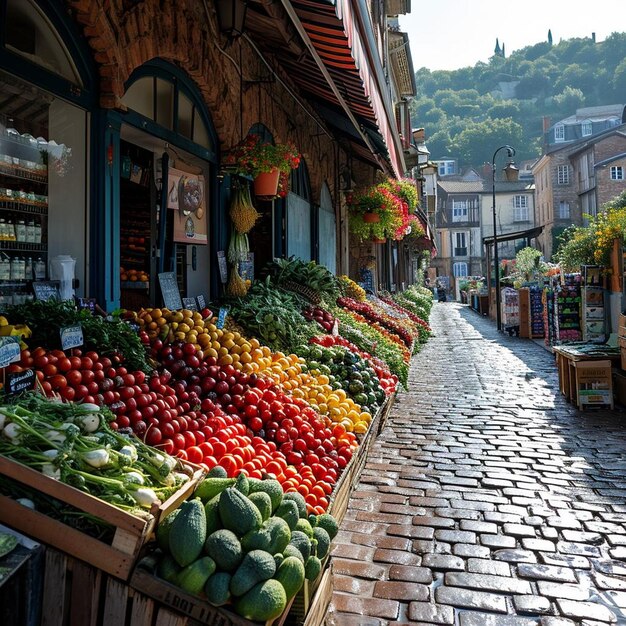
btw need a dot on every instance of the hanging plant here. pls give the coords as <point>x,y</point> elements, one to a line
<point>378,200</point>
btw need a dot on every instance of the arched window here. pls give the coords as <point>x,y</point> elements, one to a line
<point>30,35</point>
<point>158,92</point>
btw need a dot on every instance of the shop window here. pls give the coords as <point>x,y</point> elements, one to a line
<point>29,34</point>
<point>185,116</point>
<point>43,186</point>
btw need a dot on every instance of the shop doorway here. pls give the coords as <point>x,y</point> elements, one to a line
<point>161,229</point>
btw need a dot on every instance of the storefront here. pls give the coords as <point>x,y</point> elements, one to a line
<point>46,130</point>
<point>162,192</point>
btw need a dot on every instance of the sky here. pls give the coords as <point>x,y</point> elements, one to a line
<point>449,34</point>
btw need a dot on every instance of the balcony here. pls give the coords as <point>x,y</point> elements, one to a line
<point>460,251</point>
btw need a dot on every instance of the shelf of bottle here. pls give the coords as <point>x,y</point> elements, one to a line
<point>13,172</point>
<point>13,283</point>
<point>20,246</point>
<point>23,207</point>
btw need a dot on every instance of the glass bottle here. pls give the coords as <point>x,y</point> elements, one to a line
<point>20,231</point>
<point>37,230</point>
<point>28,271</point>
<point>40,269</point>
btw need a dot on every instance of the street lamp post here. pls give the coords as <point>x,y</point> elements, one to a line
<point>510,171</point>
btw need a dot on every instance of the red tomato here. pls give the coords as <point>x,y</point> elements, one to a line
<point>190,439</point>
<point>122,421</point>
<point>67,393</point>
<point>58,381</point>
<point>49,370</point>
<point>74,378</point>
<point>179,441</point>
<point>167,445</point>
<point>195,454</point>
<point>88,375</point>
<point>64,365</point>
<point>40,361</point>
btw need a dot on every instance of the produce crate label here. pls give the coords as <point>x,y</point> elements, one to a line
<point>221,318</point>
<point>9,350</point>
<point>17,382</point>
<point>190,304</point>
<point>71,337</point>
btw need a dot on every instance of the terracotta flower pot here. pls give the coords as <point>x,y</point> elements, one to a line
<point>266,183</point>
<point>378,240</point>
<point>371,218</point>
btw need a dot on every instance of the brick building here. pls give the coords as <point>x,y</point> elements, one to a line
<point>117,111</point>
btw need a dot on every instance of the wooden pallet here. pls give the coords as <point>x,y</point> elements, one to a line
<point>117,558</point>
<point>304,600</point>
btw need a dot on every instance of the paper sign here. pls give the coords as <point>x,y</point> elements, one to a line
<point>201,300</point>
<point>16,382</point>
<point>71,337</point>
<point>221,318</point>
<point>9,350</point>
<point>190,304</point>
<point>335,330</point>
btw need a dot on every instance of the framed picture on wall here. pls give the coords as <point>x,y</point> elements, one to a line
<point>186,195</point>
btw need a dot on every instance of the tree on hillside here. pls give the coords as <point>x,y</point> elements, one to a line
<point>618,82</point>
<point>476,143</point>
<point>569,99</point>
<point>503,109</point>
<point>497,50</point>
<point>549,36</point>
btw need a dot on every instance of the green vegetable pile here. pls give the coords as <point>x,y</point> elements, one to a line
<point>74,444</point>
<point>314,282</point>
<point>273,315</point>
<point>108,337</point>
<point>243,542</point>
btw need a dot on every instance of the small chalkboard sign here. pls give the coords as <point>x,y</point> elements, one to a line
<point>16,382</point>
<point>170,291</point>
<point>89,304</point>
<point>221,262</point>
<point>9,350</point>
<point>221,318</point>
<point>47,290</point>
<point>71,337</point>
<point>201,300</point>
<point>190,304</point>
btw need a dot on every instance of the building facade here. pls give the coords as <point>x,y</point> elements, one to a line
<point>115,111</point>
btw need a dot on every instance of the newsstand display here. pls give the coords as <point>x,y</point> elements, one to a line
<point>192,464</point>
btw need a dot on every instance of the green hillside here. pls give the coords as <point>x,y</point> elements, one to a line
<point>469,112</point>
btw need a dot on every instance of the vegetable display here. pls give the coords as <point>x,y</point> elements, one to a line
<point>243,543</point>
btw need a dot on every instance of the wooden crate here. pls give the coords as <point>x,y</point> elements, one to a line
<point>199,610</point>
<point>76,594</point>
<point>117,558</point>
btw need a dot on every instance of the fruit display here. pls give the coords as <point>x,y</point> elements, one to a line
<point>242,543</point>
<point>352,289</point>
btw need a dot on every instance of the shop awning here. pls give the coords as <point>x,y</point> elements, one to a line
<point>334,31</point>
<point>531,233</point>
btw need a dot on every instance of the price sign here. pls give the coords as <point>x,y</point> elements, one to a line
<point>47,290</point>
<point>201,300</point>
<point>221,318</point>
<point>71,337</point>
<point>221,262</point>
<point>16,382</point>
<point>246,267</point>
<point>335,330</point>
<point>87,303</point>
<point>190,304</point>
<point>170,291</point>
<point>9,350</point>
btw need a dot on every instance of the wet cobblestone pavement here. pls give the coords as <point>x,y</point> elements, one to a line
<point>487,499</point>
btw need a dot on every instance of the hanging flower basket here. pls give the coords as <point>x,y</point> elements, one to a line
<point>379,240</point>
<point>266,183</point>
<point>371,217</point>
<point>259,159</point>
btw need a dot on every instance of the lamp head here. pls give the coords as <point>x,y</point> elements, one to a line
<point>510,151</point>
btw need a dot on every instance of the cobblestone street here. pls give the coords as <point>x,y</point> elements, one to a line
<point>487,499</point>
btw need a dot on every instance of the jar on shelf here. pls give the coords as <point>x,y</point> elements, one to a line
<point>37,232</point>
<point>5,267</point>
<point>40,269</point>
<point>10,230</point>
<point>18,268</point>
<point>28,268</point>
<point>30,231</point>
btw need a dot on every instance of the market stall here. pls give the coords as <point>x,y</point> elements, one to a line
<point>194,465</point>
